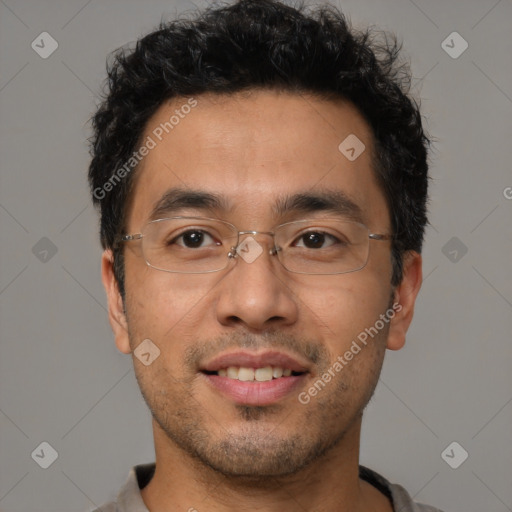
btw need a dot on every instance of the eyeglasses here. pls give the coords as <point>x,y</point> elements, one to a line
<point>197,245</point>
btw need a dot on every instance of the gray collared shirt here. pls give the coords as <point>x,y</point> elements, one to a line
<point>129,498</point>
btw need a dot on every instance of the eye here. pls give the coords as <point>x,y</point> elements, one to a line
<point>193,239</point>
<point>316,240</point>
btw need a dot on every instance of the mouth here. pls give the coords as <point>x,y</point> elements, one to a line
<point>245,374</point>
<point>255,379</point>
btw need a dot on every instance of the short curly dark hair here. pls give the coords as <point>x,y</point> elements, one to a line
<point>265,44</point>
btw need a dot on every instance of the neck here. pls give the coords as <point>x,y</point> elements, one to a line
<point>331,483</point>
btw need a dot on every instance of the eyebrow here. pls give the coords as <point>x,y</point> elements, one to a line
<point>176,199</point>
<point>328,201</point>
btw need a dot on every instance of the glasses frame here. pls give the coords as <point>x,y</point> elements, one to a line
<point>232,254</point>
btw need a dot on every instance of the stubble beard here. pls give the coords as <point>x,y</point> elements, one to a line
<point>259,451</point>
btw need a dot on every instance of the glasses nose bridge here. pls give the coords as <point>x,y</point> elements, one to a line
<point>272,234</point>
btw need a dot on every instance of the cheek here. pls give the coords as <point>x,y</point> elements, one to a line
<point>346,305</point>
<point>159,304</point>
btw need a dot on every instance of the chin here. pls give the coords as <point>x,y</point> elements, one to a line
<point>259,458</point>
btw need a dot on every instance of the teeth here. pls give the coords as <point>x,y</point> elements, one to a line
<point>277,372</point>
<point>254,374</point>
<point>233,372</point>
<point>245,374</point>
<point>263,374</point>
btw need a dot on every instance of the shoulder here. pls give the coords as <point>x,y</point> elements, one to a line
<point>129,498</point>
<point>402,501</point>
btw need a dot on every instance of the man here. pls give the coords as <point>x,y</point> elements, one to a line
<point>261,175</point>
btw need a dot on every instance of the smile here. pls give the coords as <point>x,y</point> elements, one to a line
<point>246,374</point>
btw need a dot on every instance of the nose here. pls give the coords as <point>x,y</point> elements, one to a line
<point>254,293</point>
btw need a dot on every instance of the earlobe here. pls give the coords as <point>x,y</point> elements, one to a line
<point>116,312</point>
<point>405,298</point>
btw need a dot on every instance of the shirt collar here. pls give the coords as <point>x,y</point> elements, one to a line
<point>130,499</point>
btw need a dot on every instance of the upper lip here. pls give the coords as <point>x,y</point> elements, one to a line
<point>255,360</point>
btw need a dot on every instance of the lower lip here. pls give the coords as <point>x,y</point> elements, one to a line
<point>256,393</point>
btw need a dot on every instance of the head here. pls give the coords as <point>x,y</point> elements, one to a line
<point>241,112</point>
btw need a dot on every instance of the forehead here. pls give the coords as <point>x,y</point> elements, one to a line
<point>254,150</point>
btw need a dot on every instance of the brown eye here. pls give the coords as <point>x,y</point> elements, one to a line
<point>315,240</point>
<point>193,239</point>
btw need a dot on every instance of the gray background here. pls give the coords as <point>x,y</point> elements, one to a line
<point>61,378</point>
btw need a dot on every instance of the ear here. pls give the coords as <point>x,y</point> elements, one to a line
<point>116,314</point>
<point>404,300</point>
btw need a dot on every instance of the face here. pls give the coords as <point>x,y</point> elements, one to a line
<point>245,159</point>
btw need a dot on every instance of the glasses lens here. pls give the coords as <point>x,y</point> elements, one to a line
<point>188,244</point>
<point>323,246</point>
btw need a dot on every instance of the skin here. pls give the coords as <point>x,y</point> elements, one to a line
<point>212,454</point>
